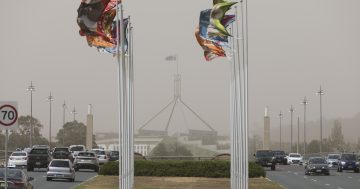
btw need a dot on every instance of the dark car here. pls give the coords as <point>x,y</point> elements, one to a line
<point>62,153</point>
<point>265,158</point>
<point>39,157</point>
<point>348,161</point>
<point>280,157</point>
<point>317,165</point>
<point>113,155</point>
<point>16,179</point>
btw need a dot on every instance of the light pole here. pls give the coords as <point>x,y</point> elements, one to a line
<point>298,138</point>
<point>31,88</point>
<point>280,116</point>
<point>320,93</point>
<point>63,134</point>
<point>291,126</point>
<point>50,99</point>
<point>74,112</point>
<point>304,102</point>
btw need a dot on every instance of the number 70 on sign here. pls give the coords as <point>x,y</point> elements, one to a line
<point>8,115</point>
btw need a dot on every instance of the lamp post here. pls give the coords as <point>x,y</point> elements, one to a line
<point>320,93</point>
<point>63,134</point>
<point>291,126</point>
<point>74,112</point>
<point>304,102</point>
<point>298,133</point>
<point>280,116</point>
<point>50,99</point>
<point>31,88</point>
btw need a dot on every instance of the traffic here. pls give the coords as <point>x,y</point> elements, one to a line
<point>30,168</point>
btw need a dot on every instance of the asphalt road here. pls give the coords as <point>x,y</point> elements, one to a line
<point>293,177</point>
<point>40,182</point>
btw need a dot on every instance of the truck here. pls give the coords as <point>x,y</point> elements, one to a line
<point>39,157</point>
<point>265,158</point>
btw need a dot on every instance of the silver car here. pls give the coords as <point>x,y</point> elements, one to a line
<point>86,160</point>
<point>60,169</point>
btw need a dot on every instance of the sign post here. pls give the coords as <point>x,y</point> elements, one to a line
<point>8,121</point>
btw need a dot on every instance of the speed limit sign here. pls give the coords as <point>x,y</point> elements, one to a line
<point>8,115</point>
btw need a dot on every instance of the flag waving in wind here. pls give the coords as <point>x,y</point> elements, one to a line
<point>97,22</point>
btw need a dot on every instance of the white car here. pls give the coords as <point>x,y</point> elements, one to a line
<point>294,158</point>
<point>101,155</point>
<point>75,149</point>
<point>332,160</point>
<point>18,158</point>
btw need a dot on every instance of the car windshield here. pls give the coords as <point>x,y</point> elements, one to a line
<point>99,152</point>
<point>350,157</point>
<point>295,155</point>
<point>264,153</point>
<point>317,161</point>
<point>279,152</point>
<point>114,153</point>
<point>18,154</point>
<point>39,151</point>
<point>77,148</point>
<point>333,156</point>
<point>11,173</point>
<point>61,149</point>
<point>59,164</point>
<point>87,154</point>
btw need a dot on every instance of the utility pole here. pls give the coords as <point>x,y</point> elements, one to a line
<point>63,134</point>
<point>304,102</point>
<point>320,93</point>
<point>50,98</point>
<point>31,88</point>
<point>280,116</point>
<point>291,125</point>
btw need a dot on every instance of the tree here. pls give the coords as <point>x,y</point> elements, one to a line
<point>336,137</point>
<point>313,147</point>
<point>170,147</point>
<point>73,133</point>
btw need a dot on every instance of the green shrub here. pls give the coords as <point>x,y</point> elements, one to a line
<point>110,168</point>
<point>181,168</point>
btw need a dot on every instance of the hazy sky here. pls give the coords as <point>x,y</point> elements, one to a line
<point>294,46</point>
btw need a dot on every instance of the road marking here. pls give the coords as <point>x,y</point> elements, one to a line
<point>327,184</point>
<point>350,177</point>
<point>340,188</point>
<point>277,183</point>
<point>314,180</point>
<point>305,177</point>
<point>289,171</point>
<point>296,173</point>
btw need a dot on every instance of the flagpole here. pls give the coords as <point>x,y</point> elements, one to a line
<point>131,75</point>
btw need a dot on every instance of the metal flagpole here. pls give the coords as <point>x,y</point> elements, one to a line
<point>131,76</point>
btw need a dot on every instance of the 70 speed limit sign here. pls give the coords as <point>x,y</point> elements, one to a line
<point>8,115</point>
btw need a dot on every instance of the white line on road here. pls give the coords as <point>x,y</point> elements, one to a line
<point>327,184</point>
<point>340,188</point>
<point>314,180</point>
<point>350,177</point>
<point>296,173</point>
<point>278,183</point>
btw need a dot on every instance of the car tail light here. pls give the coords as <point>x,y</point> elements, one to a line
<point>11,158</point>
<point>25,158</point>
<point>18,183</point>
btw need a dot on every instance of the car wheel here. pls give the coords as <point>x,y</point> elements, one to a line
<point>327,173</point>
<point>76,169</point>
<point>48,178</point>
<point>72,180</point>
<point>29,168</point>
<point>273,167</point>
<point>339,169</point>
<point>356,170</point>
<point>96,169</point>
<point>307,173</point>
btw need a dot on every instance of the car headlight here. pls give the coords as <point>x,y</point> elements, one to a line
<point>343,163</point>
<point>357,163</point>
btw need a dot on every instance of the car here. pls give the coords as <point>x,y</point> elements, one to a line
<point>294,158</point>
<point>18,159</point>
<point>75,149</point>
<point>280,157</point>
<point>265,158</point>
<point>332,160</point>
<point>17,179</point>
<point>102,157</point>
<point>348,161</point>
<point>86,160</point>
<point>113,155</point>
<point>317,165</point>
<point>62,153</point>
<point>39,157</point>
<point>60,169</point>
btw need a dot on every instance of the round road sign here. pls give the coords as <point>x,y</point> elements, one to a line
<point>8,115</point>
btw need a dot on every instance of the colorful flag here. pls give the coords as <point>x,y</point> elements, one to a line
<point>211,49</point>
<point>217,14</point>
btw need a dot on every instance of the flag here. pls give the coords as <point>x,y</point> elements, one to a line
<point>170,58</point>
<point>217,14</point>
<point>211,49</point>
<point>97,22</point>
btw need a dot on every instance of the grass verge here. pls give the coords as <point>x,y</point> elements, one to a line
<point>111,182</point>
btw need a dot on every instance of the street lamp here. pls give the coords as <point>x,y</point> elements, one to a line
<point>320,93</point>
<point>291,125</point>
<point>63,134</point>
<point>74,112</point>
<point>304,102</point>
<point>50,99</point>
<point>280,116</point>
<point>31,88</point>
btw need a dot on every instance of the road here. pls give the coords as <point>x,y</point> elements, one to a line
<point>40,182</point>
<point>293,177</point>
